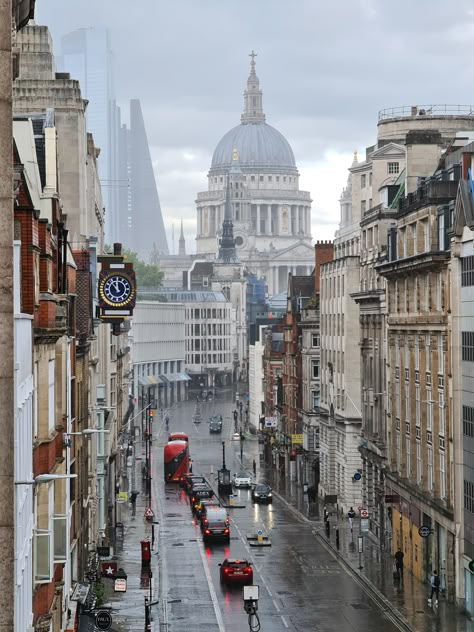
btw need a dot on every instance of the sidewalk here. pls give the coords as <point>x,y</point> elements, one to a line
<point>128,609</point>
<point>405,600</point>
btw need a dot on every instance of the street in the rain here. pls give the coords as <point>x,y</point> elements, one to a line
<point>302,586</point>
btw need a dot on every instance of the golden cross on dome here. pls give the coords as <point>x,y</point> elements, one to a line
<point>252,55</point>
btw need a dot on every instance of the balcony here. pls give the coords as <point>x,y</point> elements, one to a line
<point>432,193</point>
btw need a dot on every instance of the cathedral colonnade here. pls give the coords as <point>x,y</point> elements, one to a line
<point>267,218</point>
<point>278,276</point>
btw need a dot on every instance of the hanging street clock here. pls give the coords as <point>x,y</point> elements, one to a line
<point>117,289</point>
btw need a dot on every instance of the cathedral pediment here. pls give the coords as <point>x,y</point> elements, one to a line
<point>300,251</point>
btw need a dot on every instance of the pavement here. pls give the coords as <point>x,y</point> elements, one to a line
<point>128,609</point>
<point>406,600</point>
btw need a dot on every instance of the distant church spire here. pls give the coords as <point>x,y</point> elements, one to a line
<point>182,242</point>
<point>227,253</point>
<point>253,107</point>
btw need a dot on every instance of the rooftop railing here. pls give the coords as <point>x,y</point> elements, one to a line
<point>426,110</point>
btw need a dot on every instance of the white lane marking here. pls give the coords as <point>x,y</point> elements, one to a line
<point>284,621</point>
<point>276,605</point>
<point>268,590</point>
<point>215,603</point>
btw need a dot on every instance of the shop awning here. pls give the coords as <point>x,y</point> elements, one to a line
<point>150,380</point>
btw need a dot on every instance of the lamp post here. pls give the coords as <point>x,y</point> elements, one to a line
<point>46,478</point>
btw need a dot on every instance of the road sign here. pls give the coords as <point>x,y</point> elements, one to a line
<point>103,620</point>
<point>357,476</point>
<point>364,524</point>
<point>359,508</point>
<point>260,535</point>
<point>364,513</point>
<point>424,531</point>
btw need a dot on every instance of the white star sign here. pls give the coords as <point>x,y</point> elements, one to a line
<point>109,570</point>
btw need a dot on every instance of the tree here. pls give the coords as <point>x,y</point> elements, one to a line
<point>148,275</point>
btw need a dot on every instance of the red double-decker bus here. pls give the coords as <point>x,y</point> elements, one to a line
<point>178,436</point>
<point>176,460</point>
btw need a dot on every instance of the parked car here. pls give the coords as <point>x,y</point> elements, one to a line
<point>236,572</point>
<point>262,493</point>
<point>242,479</point>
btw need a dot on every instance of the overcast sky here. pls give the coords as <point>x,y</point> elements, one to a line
<point>325,69</point>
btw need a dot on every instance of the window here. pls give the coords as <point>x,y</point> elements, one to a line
<point>419,463</point>
<point>429,410</point>
<point>269,178</point>
<point>278,178</point>
<point>51,402</point>
<point>370,179</point>
<point>468,421</point>
<point>467,271</point>
<point>315,369</point>
<point>316,399</point>
<point>442,474</point>
<point>261,178</point>
<point>252,178</point>
<point>399,455</point>
<point>315,340</point>
<point>60,538</point>
<point>469,496</point>
<point>393,167</point>
<point>430,468</point>
<point>417,405</point>
<point>441,233</point>
<point>426,236</point>
<point>408,457</point>
<point>441,412</point>
<point>363,205</point>
<point>467,346</point>
<point>413,238</point>
<point>363,179</point>
<point>42,556</point>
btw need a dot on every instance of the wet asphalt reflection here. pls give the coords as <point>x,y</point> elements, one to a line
<point>302,587</point>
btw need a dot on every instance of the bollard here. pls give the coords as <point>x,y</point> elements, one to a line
<point>337,537</point>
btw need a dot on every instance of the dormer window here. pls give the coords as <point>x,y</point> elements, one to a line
<point>393,167</point>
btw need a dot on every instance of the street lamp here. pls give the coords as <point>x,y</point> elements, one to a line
<point>46,478</point>
<point>88,431</point>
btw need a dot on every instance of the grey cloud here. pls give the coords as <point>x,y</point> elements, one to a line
<point>325,69</point>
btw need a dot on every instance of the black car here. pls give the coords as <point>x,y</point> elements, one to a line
<point>215,423</point>
<point>262,493</point>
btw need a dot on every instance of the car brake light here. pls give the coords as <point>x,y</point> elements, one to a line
<point>206,521</point>
<point>247,570</point>
<point>193,499</point>
<point>207,532</point>
<point>226,531</point>
<point>226,570</point>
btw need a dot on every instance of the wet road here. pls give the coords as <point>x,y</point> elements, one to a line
<point>302,587</point>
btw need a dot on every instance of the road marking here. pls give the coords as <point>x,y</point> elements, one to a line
<point>276,605</point>
<point>268,589</point>
<point>215,603</point>
<point>284,621</point>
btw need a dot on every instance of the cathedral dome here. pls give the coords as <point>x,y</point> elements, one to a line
<point>259,145</point>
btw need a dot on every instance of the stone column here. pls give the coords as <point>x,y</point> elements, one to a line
<point>308,225</point>
<point>297,220</point>
<point>7,536</point>
<point>269,219</point>
<point>199,221</point>
<point>258,219</point>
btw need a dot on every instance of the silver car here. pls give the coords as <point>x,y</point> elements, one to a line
<point>242,479</point>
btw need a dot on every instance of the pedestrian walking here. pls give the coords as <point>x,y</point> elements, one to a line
<point>399,561</point>
<point>133,501</point>
<point>435,584</point>
<point>254,465</point>
<point>351,514</point>
<point>312,493</point>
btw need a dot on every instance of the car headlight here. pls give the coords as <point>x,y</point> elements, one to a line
<point>269,494</point>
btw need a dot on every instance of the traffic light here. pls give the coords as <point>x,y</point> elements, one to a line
<point>152,414</point>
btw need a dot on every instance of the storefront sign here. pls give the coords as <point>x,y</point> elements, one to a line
<point>121,497</point>
<point>120,585</point>
<point>270,422</point>
<point>296,439</point>
<point>424,531</point>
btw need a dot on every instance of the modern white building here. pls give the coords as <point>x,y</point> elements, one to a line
<point>158,350</point>
<point>24,518</point>
<point>256,377</point>
<point>270,215</point>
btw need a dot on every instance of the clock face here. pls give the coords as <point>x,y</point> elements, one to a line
<point>117,289</point>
